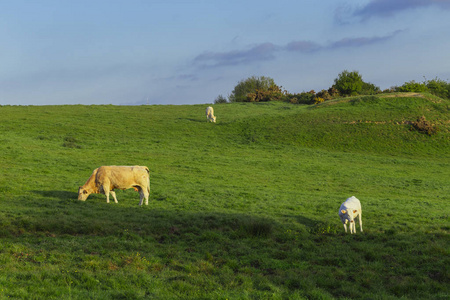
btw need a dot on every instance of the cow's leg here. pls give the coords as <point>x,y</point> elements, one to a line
<point>360,221</point>
<point>114,195</point>
<point>345,227</point>
<point>144,192</point>
<point>141,196</point>
<point>105,190</point>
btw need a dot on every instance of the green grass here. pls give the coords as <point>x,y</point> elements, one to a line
<point>242,209</point>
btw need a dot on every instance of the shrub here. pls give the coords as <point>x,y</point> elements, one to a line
<point>220,99</point>
<point>370,89</point>
<point>273,93</point>
<point>250,85</point>
<point>413,86</point>
<point>348,83</point>
<point>302,98</point>
<point>324,94</point>
<point>351,84</point>
<point>258,96</point>
<point>292,99</point>
<point>438,87</point>
<point>318,100</point>
<point>392,89</point>
<point>424,126</point>
<point>435,86</point>
<point>333,92</point>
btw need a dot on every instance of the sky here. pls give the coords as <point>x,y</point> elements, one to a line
<point>135,52</point>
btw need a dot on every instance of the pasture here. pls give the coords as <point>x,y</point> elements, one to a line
<point>245,208</point>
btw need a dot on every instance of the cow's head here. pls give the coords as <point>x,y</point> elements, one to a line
<point>214,119</point>
<point>83,194</point>
<point>348,215</point>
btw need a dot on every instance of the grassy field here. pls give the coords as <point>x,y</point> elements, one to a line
<point>246,208</point>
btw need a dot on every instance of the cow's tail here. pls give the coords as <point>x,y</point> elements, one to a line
<point>148,186</point>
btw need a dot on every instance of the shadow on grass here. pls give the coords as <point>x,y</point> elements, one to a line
<point>305,221</point>
<point>194,120</point>
<point>62,195</point>
<point>68,216</point>
<point>319,226</point>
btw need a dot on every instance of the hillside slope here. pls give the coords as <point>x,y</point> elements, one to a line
<point>245,208</point>
<point>360,124</point>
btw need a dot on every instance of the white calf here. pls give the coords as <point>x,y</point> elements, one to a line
<point>348,211</point>
<point>210,114</point>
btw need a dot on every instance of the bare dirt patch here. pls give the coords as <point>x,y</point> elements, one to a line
<point>409,94</point>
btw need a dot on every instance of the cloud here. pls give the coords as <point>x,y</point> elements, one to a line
<point>261,52</point>
<point>361,41</point>
<point>267,51</point>
<point>387,8</point>
<point>302,46</point>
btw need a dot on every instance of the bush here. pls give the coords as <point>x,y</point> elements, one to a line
<point>273,93</point>
<point>412,86</point>
<point>292,99</point>
<point>220,99</point>
<point>348,83</point>
<point>351,84</point>
<point>324,94</point>
<point>435,86</point>
<point>424,126</point>
<point>318,100</point>
<point>250,85</point>
<point>392,89</point>
<point>439,88</point>
<point>333,92</point>
<point>370,89</point>
<point>302,98</point>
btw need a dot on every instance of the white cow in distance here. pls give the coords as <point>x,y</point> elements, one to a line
<point>210,114</point>
<point>348,211</point>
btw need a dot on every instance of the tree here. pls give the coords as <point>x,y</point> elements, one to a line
<point>250,85</point>
<point>370,89</point>
<point>220,99</point>
<point>412,86</point>
<point>439,87</point>
<point>349,83</point>
<point>273,93</point>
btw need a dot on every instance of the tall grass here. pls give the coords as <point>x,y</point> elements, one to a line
<point>245,208</point>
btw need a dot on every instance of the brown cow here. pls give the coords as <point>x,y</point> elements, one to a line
<point>107,178</point>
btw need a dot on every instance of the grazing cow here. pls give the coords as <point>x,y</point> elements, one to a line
<point>348,212</point>
<point>210,114</point>
<point>107,178</point>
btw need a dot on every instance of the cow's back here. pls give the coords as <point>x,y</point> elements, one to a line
<point>352,202</point>
<point>122,176</point>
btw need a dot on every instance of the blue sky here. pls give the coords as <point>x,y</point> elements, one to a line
<point>135,52</point>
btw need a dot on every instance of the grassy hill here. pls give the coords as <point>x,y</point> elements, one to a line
<point>242,209</point>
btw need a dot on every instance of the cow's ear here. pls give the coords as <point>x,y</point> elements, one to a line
<point>355,211</point>
<point>343,211</point>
